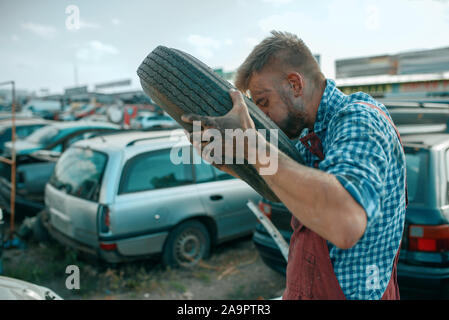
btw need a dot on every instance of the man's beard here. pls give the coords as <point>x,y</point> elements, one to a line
<point>293,124</point>
<point>295,121</point>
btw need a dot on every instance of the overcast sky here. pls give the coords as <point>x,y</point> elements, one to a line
<point>37,50</point>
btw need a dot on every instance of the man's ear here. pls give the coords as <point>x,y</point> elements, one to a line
<point>296,82</point>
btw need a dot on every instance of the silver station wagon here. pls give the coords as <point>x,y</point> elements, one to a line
<point>121,197</point>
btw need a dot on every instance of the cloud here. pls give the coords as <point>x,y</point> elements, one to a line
<point>204,46</point>
<point>116,22</point>
<point>88,25</point>
<point>94,51</point>
<point>15,37</point>
<point>43,31</point>
<point>277,2</point>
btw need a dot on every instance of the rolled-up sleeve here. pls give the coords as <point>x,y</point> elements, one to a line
<point>355,155</point>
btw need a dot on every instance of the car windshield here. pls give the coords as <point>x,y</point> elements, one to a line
<point>43,136</point>
<point>417,174</point>
<point>79,172</point>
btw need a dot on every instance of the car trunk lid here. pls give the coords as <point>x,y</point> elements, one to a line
<point>73,194</point>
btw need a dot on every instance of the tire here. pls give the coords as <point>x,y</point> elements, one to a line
<point>445,290</point>
<point>179,83</point>
<point>40,233</point>
<point>186,245</point>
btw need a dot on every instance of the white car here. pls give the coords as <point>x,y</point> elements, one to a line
<point>14,289</point>
<point>145,122</point>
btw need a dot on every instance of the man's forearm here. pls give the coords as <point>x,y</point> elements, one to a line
<point>317,199</point>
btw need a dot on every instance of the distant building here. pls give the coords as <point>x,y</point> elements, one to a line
<point>422,73</point>
<point>414,62</point>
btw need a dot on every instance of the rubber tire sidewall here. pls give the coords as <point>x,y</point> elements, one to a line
<point>40,233</point>
<point>168,252</point>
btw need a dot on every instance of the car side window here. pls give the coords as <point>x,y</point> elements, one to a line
<point>203,171</point>
<point>23,132</point>
<point>206,172</point>
<point>447,176</point>
<point>57,148</point>
<point>78,137</point>
<point>154,170</point>
<point>417,161</point>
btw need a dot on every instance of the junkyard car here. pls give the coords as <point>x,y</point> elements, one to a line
<point>14,289</point>
<point>122,197</point>
<point>146,122</point>
<point>24,127</point>
<point>36,157</point>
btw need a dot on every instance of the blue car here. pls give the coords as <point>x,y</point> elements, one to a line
<point>24,127</point>
<point>36,158</point>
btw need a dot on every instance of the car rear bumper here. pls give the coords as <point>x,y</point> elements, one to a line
<point>269,251</point>
<point>431,279</point>
<point>127,249</point>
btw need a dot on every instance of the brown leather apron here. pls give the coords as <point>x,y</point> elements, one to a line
<point>310,274</point>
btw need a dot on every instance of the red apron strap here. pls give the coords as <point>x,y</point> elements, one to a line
<point>384,114</point>
<point>315,147</point>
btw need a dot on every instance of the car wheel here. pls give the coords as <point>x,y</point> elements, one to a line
<point>40,233</point>
<point>180,84</point>
<point>445,290</point>
<point>186,245</point>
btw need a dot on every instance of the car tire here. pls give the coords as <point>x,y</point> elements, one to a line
<point>445,290</point>
<point>40,233</point>
<point>180,84</point>
<point>186,245</point>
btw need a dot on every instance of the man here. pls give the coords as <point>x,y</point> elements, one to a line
<point>348,203</point>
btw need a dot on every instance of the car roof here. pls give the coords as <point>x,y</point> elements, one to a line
<point>131,139</point>
<point>24,122</point>
<point>430,140</point>
<point>83,123</point>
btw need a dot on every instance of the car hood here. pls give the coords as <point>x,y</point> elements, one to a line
<point>14,289</point>
<point>22,147</point>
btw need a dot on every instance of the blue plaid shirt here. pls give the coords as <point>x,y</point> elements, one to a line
<point>363,152</point>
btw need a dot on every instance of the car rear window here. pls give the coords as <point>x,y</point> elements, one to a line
<point>79,172</point>
<point>417,174</point>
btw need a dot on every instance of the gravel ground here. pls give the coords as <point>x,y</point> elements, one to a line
<point>234,271</point>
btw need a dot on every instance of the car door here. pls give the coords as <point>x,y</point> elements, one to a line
<point>225,198</point>
<point>154,195</point>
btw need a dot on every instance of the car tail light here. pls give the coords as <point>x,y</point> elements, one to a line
<point>265,208</point>
<point>429,238</point>
<point>104,219</point>
<point>108,246</point>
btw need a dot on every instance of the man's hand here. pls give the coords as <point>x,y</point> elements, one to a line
<point>237,118</point>
<point>198,148</point>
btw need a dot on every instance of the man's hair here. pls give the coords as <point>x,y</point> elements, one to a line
<point>283,47</point>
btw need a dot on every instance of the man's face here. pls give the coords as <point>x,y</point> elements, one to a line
<point>272,93</point>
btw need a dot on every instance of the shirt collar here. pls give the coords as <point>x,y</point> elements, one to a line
<point>330,100</point>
